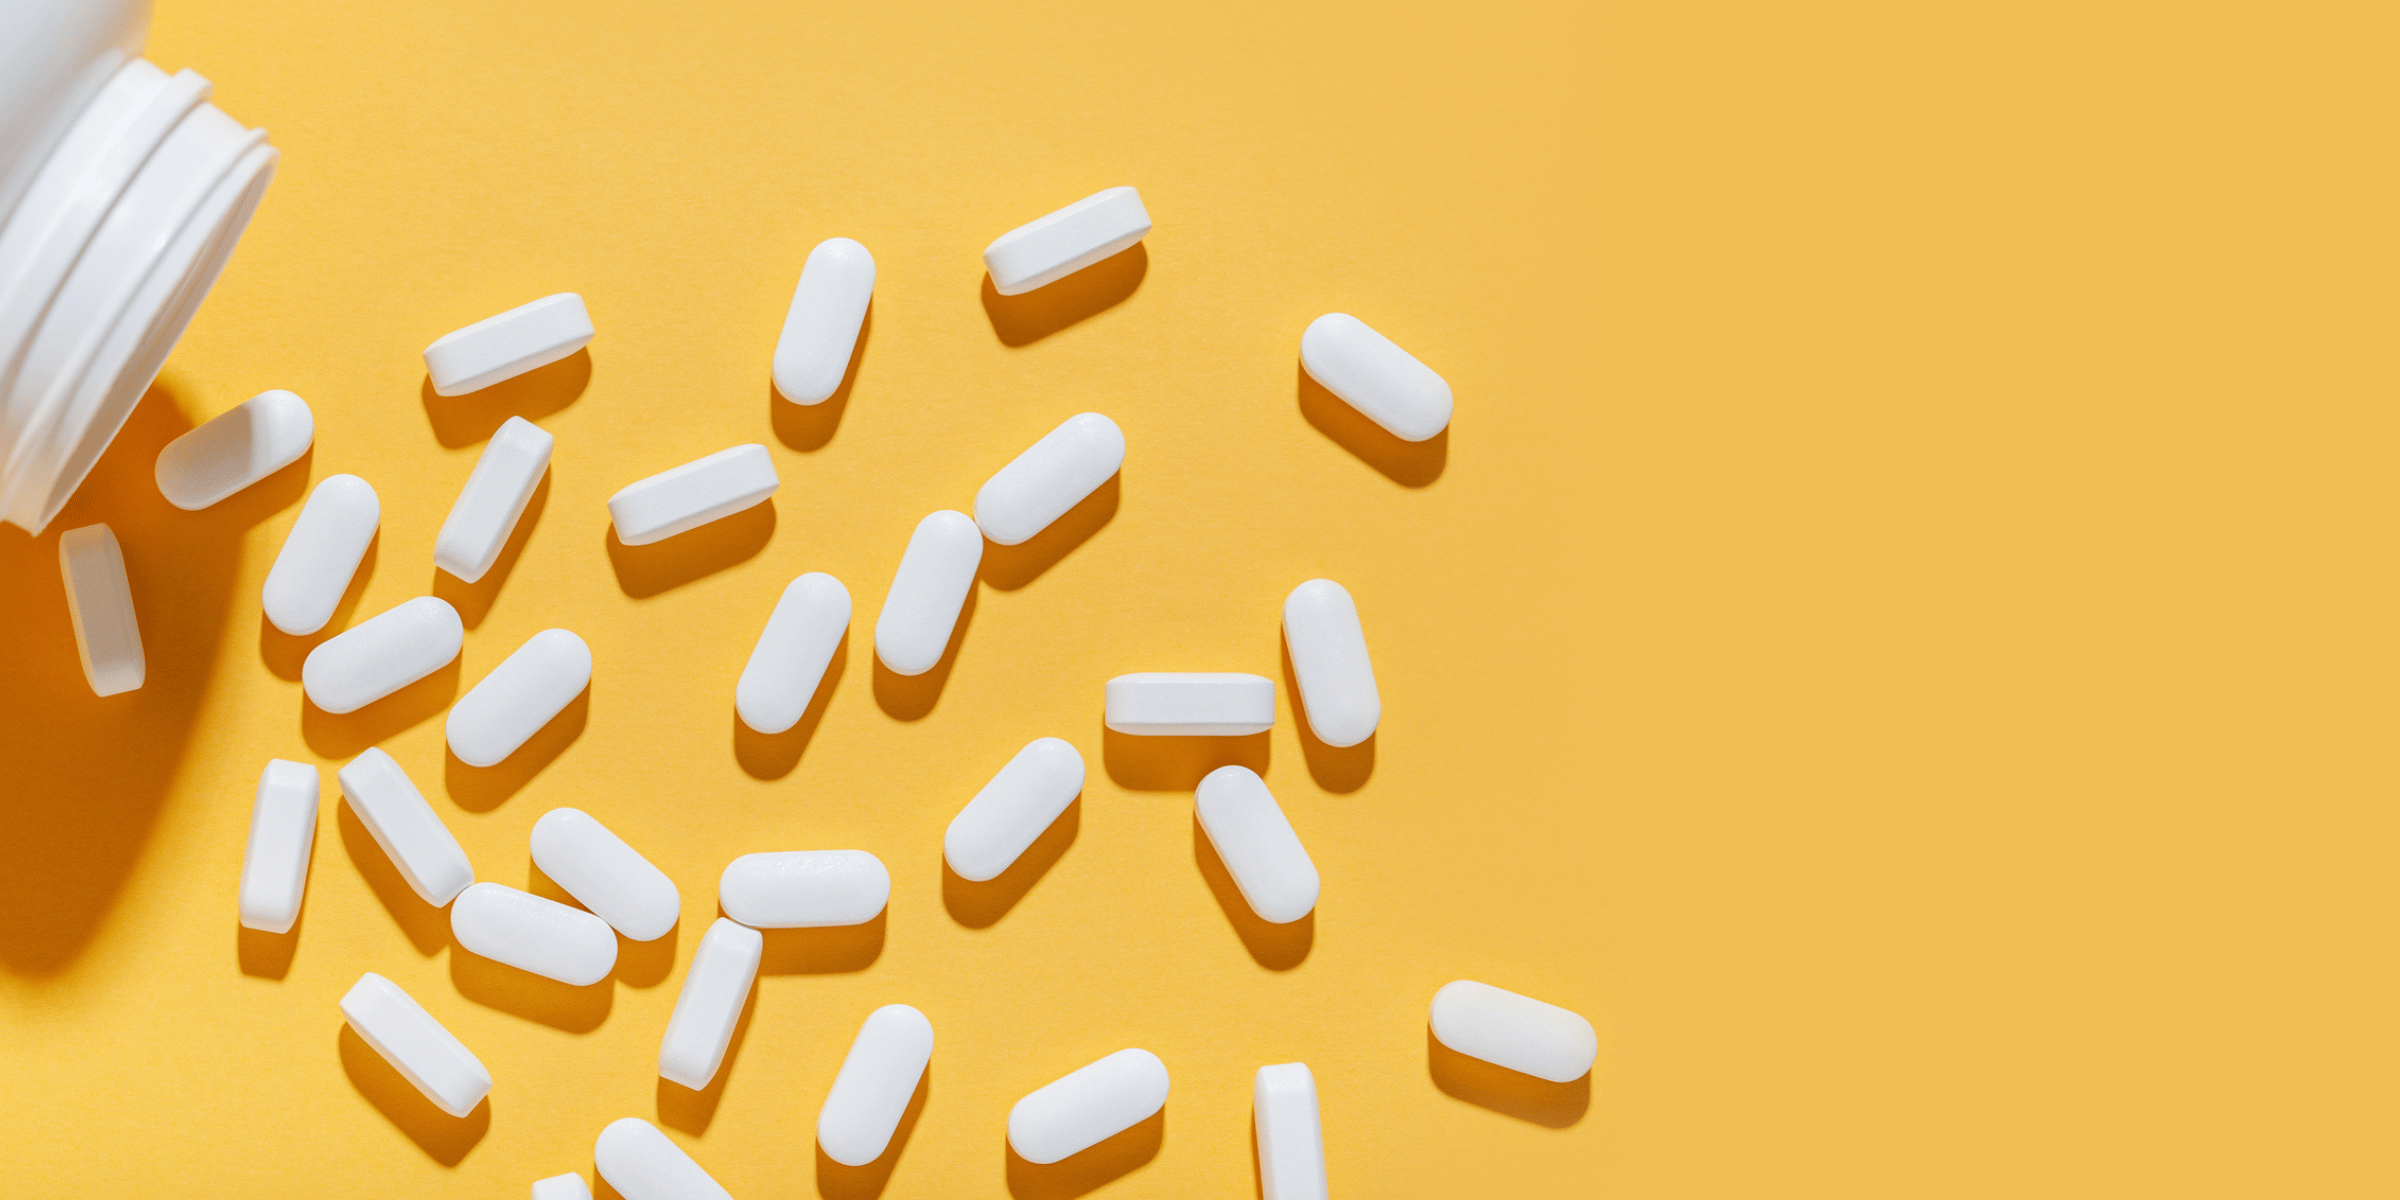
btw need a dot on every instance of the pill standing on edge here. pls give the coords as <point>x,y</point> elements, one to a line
<point>714,990</point>
<point>605,875</point>
<point>283,832</point>
<point>1087,1107</point>
<point>641,1164</point>
<point>522,694</point>
<point>1329,662</point>
<point>1052,476</point>
<point>100,604</point>
<point>425,1054</point>
<point>820,330</point>
<point>561,1187</point>
<point>1050,248</point>
<point>804,889</point>
<point>1010,813</point>
<point>1291,1141</point>
<point>1517,1032</point>
<point>1376,377</point>
<point>533,933</point>
<point>382,654</point>
<point>792,653</point>
<point>508,345</point>
<point>876,1082</point>
<point>692,495</point>
<point>1171,704</point>
<point>234,449</point>
<point>497,491</point>
<point>928,591</point>
<point>321,554</point>
<point>398,818</point>
<point>1261,852</point>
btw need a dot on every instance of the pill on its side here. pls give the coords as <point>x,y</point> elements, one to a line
<point>1291,1141</point>
<point>283,832</point>
<point>877,1080</point>
<point>1373,375</point>
<point>821,328</point>
<point>792,653</point>
<point>714,990</point>
<point>416,1045</point>
<point>497,491</point>
<point>692,495</point>
<point>928,591</point>
<point>382,654</point>
<point>234,449</point>
<point>1087,1107</point>
<point>100,603</point>
<point>398,818</point>
<point>520,696</point>
<point>1050,248</point>
<point>508,345</point>
<point>320,555</point>
<point>1052,476</point>
<point>1517,1032</point>
<point>534,933</point>
<point>605,875</point>
<point>1329,662</point>
<point>804,889</point>
<point>1261,852</point>
<point>561,1187</point>
<point>639,1161</point>
<point>1010,813</point>
<point>1202,704</point>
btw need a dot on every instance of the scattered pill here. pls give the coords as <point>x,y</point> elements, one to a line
<point>1088,1107</point>
<point>496,494</point>
<point>416,1045</point>
<point>1517,1032</point>
<point>1376,377</point>
<point>639,1161</point>
<point>714,991</point>
<point>1329,661</point>
<point>1051,248</point>
<point>792,653</point>
<point>1261,852</point>
<point>1167,704</point>
<point>1013,809</point>
<point>1052,476</point>
<point>533,933</point>
<point>508,345</point>
<point>234,449</point>
<point>821,328</point>
<point>1291,1142</point>
<point>321,554</point>
<point>100,603</point>
<point>283,831</point>
<point>561,1187</point>
<point>605,875</point>
<point>692,495</point>
<point>397,816</point>
<point>520,696</point>
<point>876,1082</point>
<point>928,591</point>
<point>804,889</point>
<point>382,654</point>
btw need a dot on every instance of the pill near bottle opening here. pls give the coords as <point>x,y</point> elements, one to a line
<point>1373,375</point>
<point>533,933</point>
<point>1010,813</point>
<point>1050,477</point>
<point>639,1161</point>
<point>929,589</point>
<point>525,692</point>
<point>605,875</point>
<point>396,815</point>
<point>508,345</point>
<point>789,661</point>
<point>234,449</point>
<point>1190,704</point>
<point>804,889</point>
<point>283,833</point>
<point>100,604</point>
<point>878,1078</point>
<point>561,1187</point>
<point>1085,1108</point>
<point>1291,1139</point>
<point>714,990</point>
<point>398,1028</point>
<point>1049,248</point>
<point>687,497</point>
<point>1329,662</point>
<point>321,555</point>
<point>1517,1032</point>
<point>489,506</point>
<point>382,654</point>
<point>820,330</point>
<point>1257,843</point>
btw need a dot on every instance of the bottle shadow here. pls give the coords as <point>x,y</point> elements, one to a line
<point>1011,567</point>
<point>691,1111</point>
<point>1513,1093</point>
<point>346,735</point>
<point>639,964</point>
<point>807,427</point>
<point>838,1182</point>
<point>646,570</point>
<point>911,697</point>
<point>444,1138</point>
<point>1275,947</point>
<point>1409,464</point>
<point>831,950</point>
<point>426,927</point>
<point>981,905</point>
<point>474,600</point>
<point>1077,1174</point>
<point>482,789</point>
<point>1028,317</point>
<point>284,654</point>
<point>774,755</point>
<point>1335,768</point>
<point>1175,764</point>
<point>465,420</point>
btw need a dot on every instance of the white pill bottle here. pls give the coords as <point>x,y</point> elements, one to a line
<point>122,191</point>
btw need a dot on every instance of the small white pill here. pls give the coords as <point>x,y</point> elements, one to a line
<point>508,345</point>
<point>382,654</point>
<point>496,494</point>
<point>692,495</point>
<point>1011,811</point>
<point>821,328</point>
<point>534,933</point>
<point>639,1161</point>
<point>1051,248</point>
<point>283,831</point>
<point>792,653</point>
<point>100,603</point>
<point>928,591</point>
<point>1517,1032</point>
<point>1052,476</point>
<point>605,875</point>
<point>1169,704</point>
<point>396,815</point>
<point>561,1187</point>
<point>1376,377</point>
<point>1291,1142</point>
<point>321,554</point>
<point>804,889</point>
<point>1329,661</point>
<point>1085,1108</point>
<point>520,696</point>
<point>416,1045</point>
<point>875,1084</point>
<point>1261,852</point>
<point>709,1004</point>
<point>236,448</point>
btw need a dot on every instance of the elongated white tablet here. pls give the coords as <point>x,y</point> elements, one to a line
<point>1291,1141</point>
<point>792,653</point>
<point>382,654</point>
<point>1261,852</point>
<point>533,933</point>
<point>692,495</point>
<point>1169,704</point>
<point>396,815</point>
<point>100,603</point>
<point>709,1004</point>
<point>1517,1032</point>
<point>520,696</point>
<point>508,345</point>
<point>639,1161</point>
<point>821,328</point>
<point>928,591</point>
<point>321,554</point>
<point>1329,661</point>
<point>1376,377</point>
<point>497,491</point>
<point>1051,248</point>
<point>875,1084</point>
<point>1088,1107</point>
<point>1011,811</point>
<point>234,449</point>
<point>561,1187</point>
<point>605,875</point>
<point>416,1045</point>
<point>283,831</point>
<point>1052,476</point>
<point>804,889</point>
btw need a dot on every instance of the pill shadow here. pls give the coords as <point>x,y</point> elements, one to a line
<point>645,571</point>
<point>834,950</point>
<point>284,654</point>
<point>1175,764</point>
<point>1335,768</point>
<point>1028,317</point>
<point>427,927</point>
<point>981,905</point>
<point>1258,1169</point>
<point>346,735</point>
<point>691,1111</point>
<point>1275,947</point>
<point>465,420</point>
<point>810,426</point>
<point>911,697</point>
<point>1084,1171</point>
<point>482,789</point>
<point>474,600</point>
<point>444,1138</point>
<point>1409,464</point>
<point>639,964</point>
<point>838,1182</point>
<point>1011,567</point>
<point>773,755</point>
<point>266,955</point>
<point>562,1006</point>
<point>1512,1093</point>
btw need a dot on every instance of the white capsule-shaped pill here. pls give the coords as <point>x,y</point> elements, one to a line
<point>1011,811</point>
<point>234,449</point>
<point>928,591</point>
<point>497,491</point>
<point>821,328</point>
<point>605,875</point>
<point>561,1187</point>
<point>100,604</point>
<point>877,1079</point>
<point>416,1045</point>
<point>398,818</point>
<point>1203,704</point>
<point>1291,1141</point>
<point>321,554</point>
<point>508,345</point>
<point>641,1164</point>
<point>533,933</point>
<point>522,694</point>
<point>792,653</point>
<point>283,832</point>
<point>692,495</point>
<point>1053,247</point>
<point>804,889</point>
<point>1517,1032</point>
<point>1329,661</point>
<point>382,654</point>
<point>1052,476</point>
<point>1373,375</point>
<point>714,991</point>
<point>1261,852</point>
<point>1087,1107</point>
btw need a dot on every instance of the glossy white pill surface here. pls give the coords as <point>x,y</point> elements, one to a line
<point>1329,661</point>
<point>1261,852</point>
<point>928,591</point>
<point>1051,248</point>
<point>1085,1108</point>
<point>520,696</point>
<point>1517,1032</point>
<point>792,652</point>
<point>533,933</point>
<point>321,554</point>
<point>877,1079</point>
<point>1011,811</point>
<point>1373,375</point>
<point>416,1045</point>
<point>1052,476</point>
<point>100,603</point>
<point>561,1187</point>
<point>605,875</point>
<point>283,832</point>
<point>1291,1141</point>
<point>236,448</point>
<point>821,328</point>
<point>497,491</point>
<point>396,816</point>
<point>382,654</point>
<point>804,889</point>
<point>714,991</point>
<point>639,1161</point>
<point>1170,704</point>
<point>508,345</point>
<point>692,495</point>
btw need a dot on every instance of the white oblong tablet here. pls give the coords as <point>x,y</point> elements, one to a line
<point>497,491</point>
<point>1261,852</point>
<point>1052,476</point>
<point>792,653</point>
<point>321,554</point>
<point>234,449</point>
<point>534,933</point>
<point>416,1045</point>
<point>382,654</point>
<point>521,695</point>
<point>875,1084</point>
<point>1291,1141</point>
<point>710,1003</point>
<point>561,1187</point>
<point>928,591</point>
<point>1517,1032</point>
<point>100,603</point>
<point>1011,811</point>
<point>396,815</point>
<point>1051,248</point>
<point>605,875</point>
<point>821,328</point>
<point>1376,377</point>
<point>1085,1108</point>
<point>692,495</point>
<point>508,345</point>
<point>283,831</point>
<point>1172,704</point>
<point>804,889</point>
<point>1329,662</point>
<point>639,1161</point>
